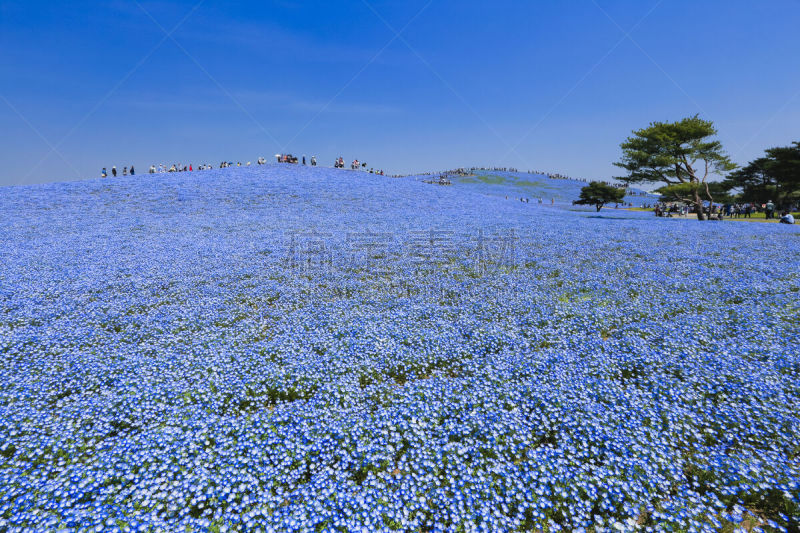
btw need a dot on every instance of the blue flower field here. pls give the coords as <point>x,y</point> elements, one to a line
<point>286,348</point>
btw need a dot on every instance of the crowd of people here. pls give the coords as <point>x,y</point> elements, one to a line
<point>354,165</point>
<point>165,168</point>
<point>178,167</point>
<point>746,210</point>
<point>497,169</point>
<point>281,158</point>
<point>719,212</point>
<point>104,172</point>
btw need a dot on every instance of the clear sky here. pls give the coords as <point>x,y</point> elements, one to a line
<point>408,85</point>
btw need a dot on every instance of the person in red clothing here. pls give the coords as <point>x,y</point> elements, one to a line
<point>190,167</point>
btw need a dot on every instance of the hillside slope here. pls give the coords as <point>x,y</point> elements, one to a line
<point>534,187</point>
<point>303,349</point>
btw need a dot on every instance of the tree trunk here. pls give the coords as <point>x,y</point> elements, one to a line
<point>698,205</point>
<point>711,203</point>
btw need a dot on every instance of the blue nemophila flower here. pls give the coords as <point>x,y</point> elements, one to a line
<point>289,350</point>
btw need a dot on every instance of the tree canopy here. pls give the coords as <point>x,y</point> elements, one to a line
<point>776,176</point>
<point>598,194</point>
<point>682,155</point>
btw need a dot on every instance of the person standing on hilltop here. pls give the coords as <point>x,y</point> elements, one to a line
<point>114,171</point>
<point>104,174</point>
<point>313,160</point>
<point>132,170</point>
<point>304,159</point>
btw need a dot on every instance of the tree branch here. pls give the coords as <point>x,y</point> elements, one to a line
<point>678,173</point>
<point>688,168</point>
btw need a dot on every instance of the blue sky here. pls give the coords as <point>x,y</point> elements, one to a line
<point>406,86</point>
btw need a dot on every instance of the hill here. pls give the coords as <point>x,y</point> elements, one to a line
<point>532,186</point>
<point>303,349</point>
